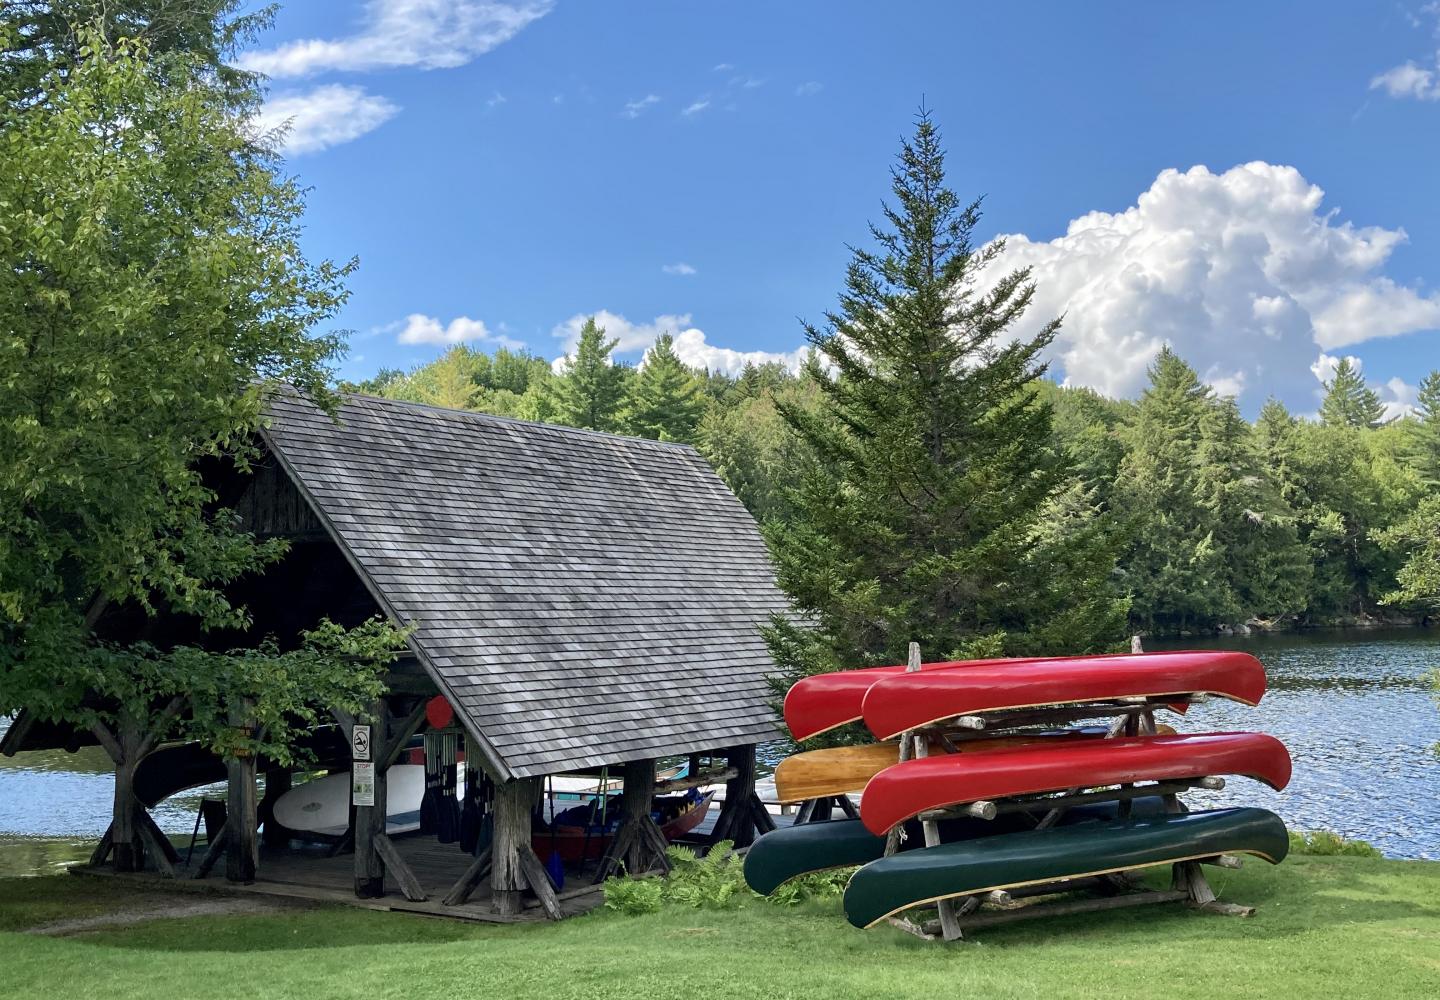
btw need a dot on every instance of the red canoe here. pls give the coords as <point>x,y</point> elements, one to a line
<point>896,703</point>
<point>817,704</point>
<point>905,790</point>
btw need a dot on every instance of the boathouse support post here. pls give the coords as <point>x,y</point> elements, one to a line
<point>242,846</point>
<point>508,881</point>
<point>638,844</point>
<point>370,820</point>
<point>742,813</point>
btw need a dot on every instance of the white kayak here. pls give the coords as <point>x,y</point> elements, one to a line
<point>323,805</point>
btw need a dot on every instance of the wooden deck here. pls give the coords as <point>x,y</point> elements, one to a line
<point>307,873</point>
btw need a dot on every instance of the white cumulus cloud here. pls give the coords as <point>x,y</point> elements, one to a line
<point>428,34</point>
<point>421,329</point>
<point>1242,272</point>
<point>1408,80</point>
<point>324,117</point>
<point>690,343</point>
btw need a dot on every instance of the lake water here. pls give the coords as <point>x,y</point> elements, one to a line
<point>1352,706</point>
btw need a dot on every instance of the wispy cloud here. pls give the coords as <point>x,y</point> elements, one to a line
<point>326,116</point>
<point>428,34</point>
<point>809,88</point>
<point>496,99</point>
<point>1417,81</point>
<point>679,267</point>
<point>723,67</point>
<point>634,109</point>
<point>421,329</point>
<point>698,106</point>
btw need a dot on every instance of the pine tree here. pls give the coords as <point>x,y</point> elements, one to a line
<point>590,391</point>
<point>1349,402</point>
<point>663,401</point>
<point>1424,431</point>
<point>939,511</point>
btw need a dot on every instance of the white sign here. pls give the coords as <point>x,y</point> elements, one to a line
<point>362,783</point>
<point>360,743</point>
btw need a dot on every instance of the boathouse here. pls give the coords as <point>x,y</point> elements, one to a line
<point>583,603</point>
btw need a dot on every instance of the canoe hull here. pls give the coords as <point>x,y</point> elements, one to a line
<point>815,774</point>
<point>905,790</point>
<point>574,847</point>
<point>823,702</point>
<point>888,886</point>
<point>792,851</point>
<point>896,703</point>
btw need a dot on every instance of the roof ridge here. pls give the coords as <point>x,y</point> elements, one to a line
<point>483,417</point>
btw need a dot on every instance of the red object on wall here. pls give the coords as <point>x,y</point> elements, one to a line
<point>438,712</point>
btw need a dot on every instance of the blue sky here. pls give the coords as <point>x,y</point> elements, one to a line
<point>1253,183</point>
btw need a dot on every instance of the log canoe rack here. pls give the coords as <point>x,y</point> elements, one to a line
<point>1130,717</point>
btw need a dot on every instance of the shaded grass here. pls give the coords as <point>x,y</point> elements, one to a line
<point>1342,926</point>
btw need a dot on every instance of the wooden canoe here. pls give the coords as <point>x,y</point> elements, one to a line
<point>815,774</point>
<point>913,878</point>
<point>905,790</point>
<point>823,702</point>
<point>676,815</point>
<point>904,701</point>
<point>792,851</point>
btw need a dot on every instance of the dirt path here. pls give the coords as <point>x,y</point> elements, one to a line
<point>164,908</point>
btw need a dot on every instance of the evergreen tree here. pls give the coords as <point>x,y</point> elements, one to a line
<point>1424,431</point>
<point>1174,567</point>
<point>590,392</point>
<point>663,401</point>
<point>1267,567</point>
<point>1349,402</point>
<point>934,512</point>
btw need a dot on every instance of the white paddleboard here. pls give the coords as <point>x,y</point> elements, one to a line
<point>323,805</point>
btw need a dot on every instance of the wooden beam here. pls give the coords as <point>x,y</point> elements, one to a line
<point>540,883</point>
<point>396,866</point>
<point>397,741</point>
<point>242,847</point>
<point>465,886</point>
<point>102,849</point>
<point>736,823</point>
<point>978,920</point>
<point>214,850</point>
<point>949,918</point>
<point>696,780</point>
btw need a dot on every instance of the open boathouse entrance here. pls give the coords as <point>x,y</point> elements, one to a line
<point>586,610</point>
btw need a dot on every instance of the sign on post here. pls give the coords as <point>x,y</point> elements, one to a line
<point>362,783</point>
<point>360,743</point>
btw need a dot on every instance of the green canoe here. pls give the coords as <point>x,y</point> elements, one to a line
<point>896,883</point>
<point>793,851</point>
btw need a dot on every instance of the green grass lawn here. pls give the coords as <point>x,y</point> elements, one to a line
<point>1327,927</point>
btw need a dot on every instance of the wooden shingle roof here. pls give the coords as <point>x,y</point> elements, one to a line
<point>582,598</point>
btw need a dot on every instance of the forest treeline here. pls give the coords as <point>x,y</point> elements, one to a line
<point>1286,519</point>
